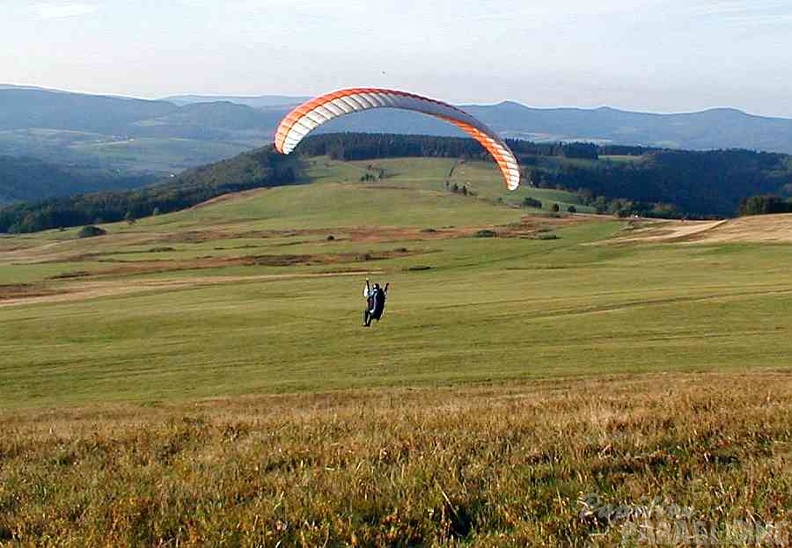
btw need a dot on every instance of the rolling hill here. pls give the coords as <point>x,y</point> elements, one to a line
<point>252,120</point>
<point>131,135</point>
<point>115,142</point>
<point>201,377</point>
<point>623,181</point>
<point>31,179</point>
<point>481,290</point>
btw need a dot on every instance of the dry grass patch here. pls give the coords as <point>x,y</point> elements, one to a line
<point>534,463</point>
<point>19,291</point>
<point>759,228</point>
<point>121,267</point>
<point>79,291</point>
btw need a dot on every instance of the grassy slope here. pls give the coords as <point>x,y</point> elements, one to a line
<point>501,308</point>
<point>652,376</point>
<point>651,460</point>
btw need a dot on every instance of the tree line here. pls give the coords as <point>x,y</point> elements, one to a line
<point>622,180</point>
<point>618,179</point>
<point>693,183</point>
<point>764,205</point>
<point>26,178</point>
<point>369,146</point>
<point>259,168</point>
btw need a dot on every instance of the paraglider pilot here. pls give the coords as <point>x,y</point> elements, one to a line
<point>375,302</point>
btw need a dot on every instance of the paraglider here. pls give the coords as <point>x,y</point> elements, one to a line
<point>311,114</point>
<point>375,302</point>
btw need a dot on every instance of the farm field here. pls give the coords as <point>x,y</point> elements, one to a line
<point>205,378</point>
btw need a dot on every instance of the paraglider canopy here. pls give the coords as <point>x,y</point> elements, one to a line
<point>311,114</point>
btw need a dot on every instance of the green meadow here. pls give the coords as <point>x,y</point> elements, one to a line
<point>550,298</point>
<point>257,298</point>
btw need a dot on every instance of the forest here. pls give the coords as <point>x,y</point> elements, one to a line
<point>622,180</point>
<point>615,178</point>
<point>259,168</point>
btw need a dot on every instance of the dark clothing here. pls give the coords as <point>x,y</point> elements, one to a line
<point>377,306</point>
<point>375,302</point>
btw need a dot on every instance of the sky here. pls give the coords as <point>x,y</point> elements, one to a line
<point>644,55</point>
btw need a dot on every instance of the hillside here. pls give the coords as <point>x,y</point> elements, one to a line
<point>130,135</point>
<point>116,142</point>
<point>255,169</point>
<point>202,377</point>
<point>35,108</point>
<point>708,130</point>
<point>481,290</point>
<point>218,121</point>
<point>616,179</point>
<point>30,179</point>
<point>53,125</point>
<point>623,181</point>
<point>711,129</point>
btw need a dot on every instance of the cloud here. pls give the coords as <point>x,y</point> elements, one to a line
<point>60,10</point>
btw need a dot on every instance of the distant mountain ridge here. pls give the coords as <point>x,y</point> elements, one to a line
<point>231,119</point>
<point>717,128</point>
<point>135,140</point>
<point>260,101</point>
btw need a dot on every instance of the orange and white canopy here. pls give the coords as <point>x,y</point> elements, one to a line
<point>311,114</point>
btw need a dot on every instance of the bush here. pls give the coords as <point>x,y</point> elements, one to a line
<point>90,231</point>
<point>485,233</point>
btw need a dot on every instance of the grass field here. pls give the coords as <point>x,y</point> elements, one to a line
<point>205,377</point>
<point>676,459</point>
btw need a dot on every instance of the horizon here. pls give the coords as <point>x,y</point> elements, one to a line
<point>298,97</point>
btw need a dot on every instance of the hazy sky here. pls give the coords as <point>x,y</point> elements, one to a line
<point>648,55</point>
